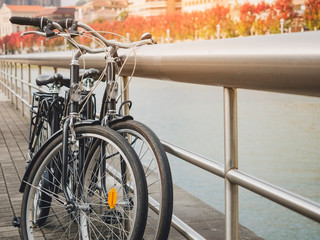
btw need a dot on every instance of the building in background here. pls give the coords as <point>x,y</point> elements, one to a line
<point>6,11</point>
<point>100,9</point>
<point>45,3</point>
<point>57,13</point>
<point>201,5</point>
<point>147,8</point>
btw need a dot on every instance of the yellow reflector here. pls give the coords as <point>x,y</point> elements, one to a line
<point>112,198</point>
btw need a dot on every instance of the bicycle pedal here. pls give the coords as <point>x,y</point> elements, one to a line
<point>16,222</point>
<point>112,217</point>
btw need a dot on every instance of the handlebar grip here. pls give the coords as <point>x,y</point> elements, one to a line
<point>36,22</point>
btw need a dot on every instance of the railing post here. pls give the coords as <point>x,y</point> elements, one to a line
<point>7,80</point>
<point>125,94</point>
<point>2,78</point>
<point>282,25</point>
<point>29,82</point>
<point>231,162</point>
<point>22,89</point>
<point>3,66</point>
<point>39,73</point>
<point>16,84</point>
<point>11,82</point>
<point>218,31</point>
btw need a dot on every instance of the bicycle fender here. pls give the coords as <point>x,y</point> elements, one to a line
<point>36,156</point>
<point>119,119</point>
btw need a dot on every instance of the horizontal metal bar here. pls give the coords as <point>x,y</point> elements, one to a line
<point>177,223</point>
<point>285,198</point>
<point>7,75</point>
<point>197,160</point>
<point>27,83</point>
<point>202,162</point>
<point>287,63</point>
<point>279,195</point>
<point>185,229</point>
<point>14,93</point>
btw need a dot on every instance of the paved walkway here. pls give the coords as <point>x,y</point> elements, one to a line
<point>13,147</point>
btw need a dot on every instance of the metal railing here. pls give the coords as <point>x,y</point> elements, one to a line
<point>277,63</point>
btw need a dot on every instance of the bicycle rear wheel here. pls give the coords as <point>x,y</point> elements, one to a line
<point>92,215</point>
<point>158,174</point>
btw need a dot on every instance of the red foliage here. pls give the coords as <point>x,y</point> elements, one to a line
<point>246,19</point>
<point>281,9</point>
<point>312,14</point>
<point>262,10</point>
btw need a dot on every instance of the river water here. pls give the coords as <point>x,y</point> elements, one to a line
<point>279,139</point>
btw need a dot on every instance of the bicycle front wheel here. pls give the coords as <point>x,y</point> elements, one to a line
<point>120,212</point>
<point>157,171</point>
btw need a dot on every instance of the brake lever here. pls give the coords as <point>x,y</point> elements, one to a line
<point>64,35</point>
<point>42,34</point>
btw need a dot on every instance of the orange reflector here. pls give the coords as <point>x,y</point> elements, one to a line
<point>112,198</point>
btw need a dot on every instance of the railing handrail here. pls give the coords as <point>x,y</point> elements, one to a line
<point>287,63</point>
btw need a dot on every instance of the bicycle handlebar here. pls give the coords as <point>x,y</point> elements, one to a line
<point>47,26</point>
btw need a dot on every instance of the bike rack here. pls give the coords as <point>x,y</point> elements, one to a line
<point>287,63</point>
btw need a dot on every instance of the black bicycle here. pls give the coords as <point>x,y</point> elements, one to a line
<point>64,168</point>
<point>144,141</point>
<point>46,110</point>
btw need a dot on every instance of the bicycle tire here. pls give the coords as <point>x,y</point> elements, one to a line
<point>152,155</point>
<point>82,222</point>
<point>39,133</point>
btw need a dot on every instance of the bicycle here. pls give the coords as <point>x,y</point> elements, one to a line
<point>46,112</point>
<point>142,139</point>
<point>79,207</point>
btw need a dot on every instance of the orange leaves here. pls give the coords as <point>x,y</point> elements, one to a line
<point>247,15</point>
<point>241,20</point>
<point>312,14</point>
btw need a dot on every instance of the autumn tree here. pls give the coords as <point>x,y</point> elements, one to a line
<point>262,11</point>
<point>247,17</point>
<point>312,14</point>
<point>219,15</point>
<point>281,9</point>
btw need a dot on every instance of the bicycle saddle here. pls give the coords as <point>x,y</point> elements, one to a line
<point>56,78</point>
<point>89,73</point>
